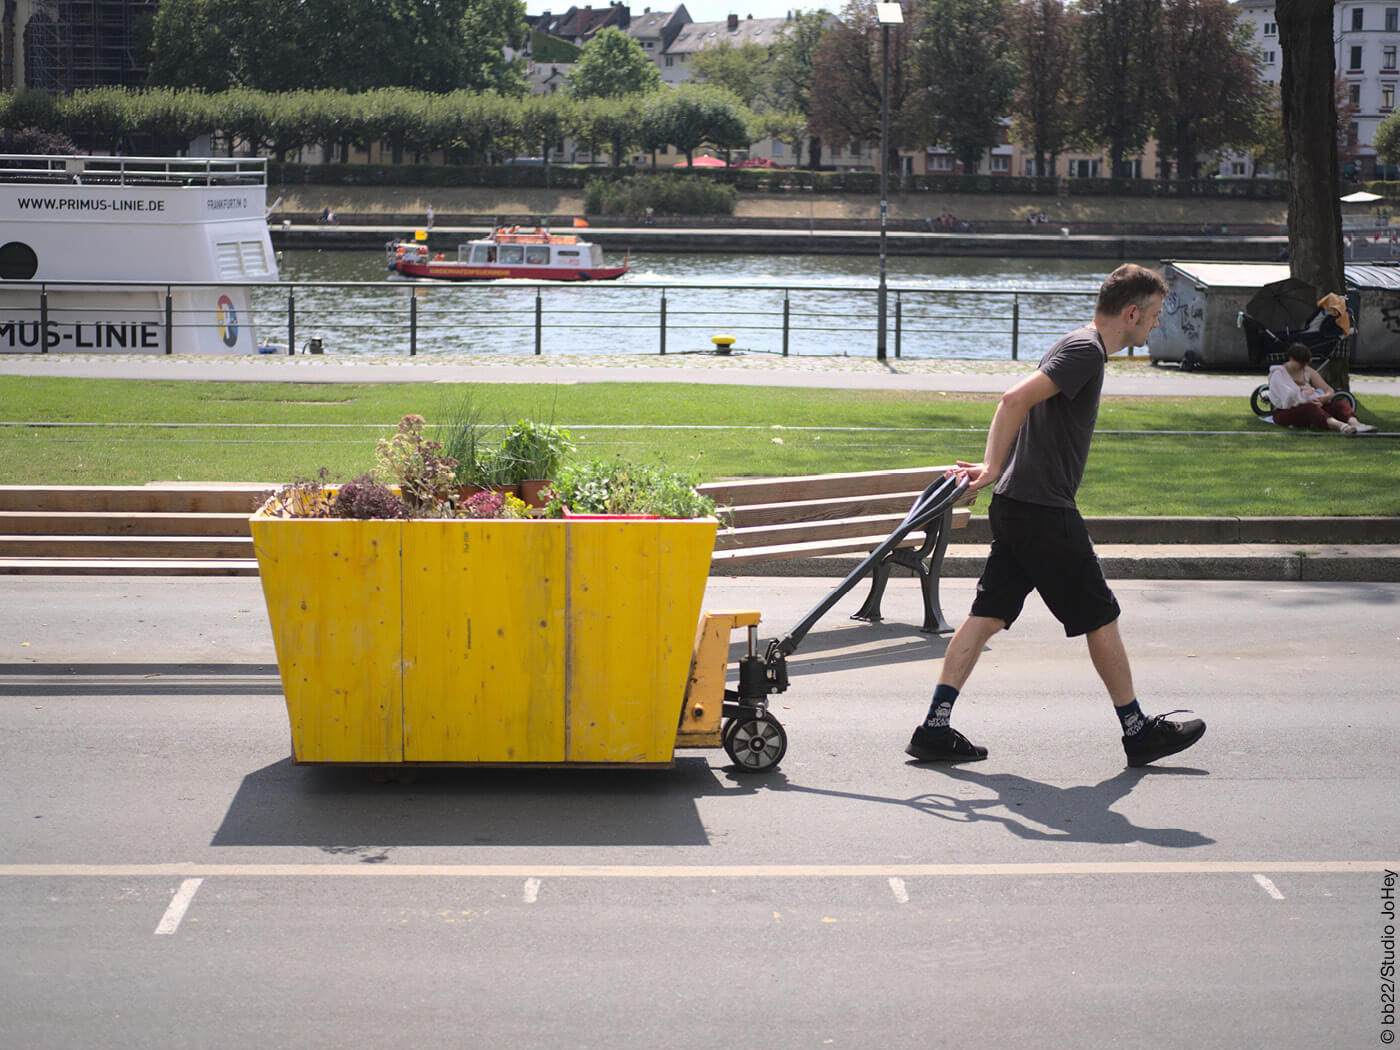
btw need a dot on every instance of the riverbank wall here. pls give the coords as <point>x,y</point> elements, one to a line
<point>1034,242</point>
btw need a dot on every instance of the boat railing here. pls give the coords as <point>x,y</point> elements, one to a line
<point>427,317</point>
<point>137,171</point>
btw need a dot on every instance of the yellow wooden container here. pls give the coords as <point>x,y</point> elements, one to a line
<point>562,641</point>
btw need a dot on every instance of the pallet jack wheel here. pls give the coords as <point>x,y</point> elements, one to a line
<point>755,745</point>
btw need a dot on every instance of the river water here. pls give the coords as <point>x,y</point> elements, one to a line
<point>937,306</point>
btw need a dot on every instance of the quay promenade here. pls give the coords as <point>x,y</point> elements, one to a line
<point>1127,377</point>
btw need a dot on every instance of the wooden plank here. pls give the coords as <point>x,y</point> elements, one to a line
<point>228,498</point>
<point>795,551</point>
<point>120,523</point>
<point>807,531</point>
<point>128,567</point>
<point>126,547</point>
<point>827,509</point>
<point>749,491</point>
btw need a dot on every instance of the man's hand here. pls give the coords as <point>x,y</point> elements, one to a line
<point>975,474</point>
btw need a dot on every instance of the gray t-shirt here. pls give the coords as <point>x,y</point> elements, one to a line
<point>1047,459</point>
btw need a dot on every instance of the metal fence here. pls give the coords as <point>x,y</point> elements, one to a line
<point>427,317</point>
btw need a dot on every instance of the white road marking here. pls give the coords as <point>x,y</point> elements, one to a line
<point>532,891</point>
<point>179,904</point>
<point>1269,887</point>
<point>901,895</point>
<point>190,869</point>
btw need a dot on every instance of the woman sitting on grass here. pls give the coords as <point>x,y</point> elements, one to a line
<point>1302,398</point>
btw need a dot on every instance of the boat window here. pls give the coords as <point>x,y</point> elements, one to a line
<point>512,253</point>
<point>568,253</point>
<point>479,253</point>
<point>537,255</point>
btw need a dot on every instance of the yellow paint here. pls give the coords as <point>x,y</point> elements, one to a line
<point>704,695</point>
<point>484,641</point>
<point>635,589</point>
<point>332,592</point>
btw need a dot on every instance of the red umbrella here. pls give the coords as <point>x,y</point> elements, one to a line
<point>704,162</point>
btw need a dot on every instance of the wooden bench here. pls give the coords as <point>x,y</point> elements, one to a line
<point>790,519</point>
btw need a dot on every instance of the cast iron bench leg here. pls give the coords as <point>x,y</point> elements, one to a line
<point>932,549</point>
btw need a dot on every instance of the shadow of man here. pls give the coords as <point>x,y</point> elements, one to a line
<point>1042,812</point>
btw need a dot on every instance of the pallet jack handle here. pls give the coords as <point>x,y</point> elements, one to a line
<point>935,500</point>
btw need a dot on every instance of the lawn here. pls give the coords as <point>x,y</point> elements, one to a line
<point>1187,456</point>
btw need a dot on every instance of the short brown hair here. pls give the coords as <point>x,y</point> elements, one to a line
<point>1299,352</point>
<point>1129,285</point>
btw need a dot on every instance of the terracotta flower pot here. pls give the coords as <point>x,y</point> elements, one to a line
<point>535,493</point>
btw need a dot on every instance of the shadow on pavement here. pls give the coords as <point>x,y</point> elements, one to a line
<point>1037,811</point>
<point>343,808</point>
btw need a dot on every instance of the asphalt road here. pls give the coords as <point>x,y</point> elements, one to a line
<point>169,879</point>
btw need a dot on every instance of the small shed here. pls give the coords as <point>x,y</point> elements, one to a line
<point>1199,323</point>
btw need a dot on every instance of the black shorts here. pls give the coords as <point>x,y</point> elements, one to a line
<point>1048,550</point>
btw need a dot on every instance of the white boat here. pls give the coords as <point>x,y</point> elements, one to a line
<point>163,248</point>
<point>533,254</point>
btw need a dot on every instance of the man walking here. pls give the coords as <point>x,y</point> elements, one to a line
<point>1037,446</point>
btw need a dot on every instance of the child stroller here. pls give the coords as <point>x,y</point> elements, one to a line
<point>1287,312</point>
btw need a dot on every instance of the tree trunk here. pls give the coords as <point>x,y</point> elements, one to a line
<point>1310,143</point>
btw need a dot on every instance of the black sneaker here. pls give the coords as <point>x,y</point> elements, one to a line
<point>929,746</point>
<point>1162,738</point>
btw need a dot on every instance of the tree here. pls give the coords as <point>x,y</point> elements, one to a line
<point>1310,139</point>
<point>613,64</point>
<point>966,73</point>
<point>1119,50</point>
<point>690,116</point>
<point>354,45</point>
<point>1043,38</point>
<point>613,122</point>
<point>845,98</point>
<point>1210,93</point>
<point>789,128</point>
<point>741,70</point>
<point>794,66</point>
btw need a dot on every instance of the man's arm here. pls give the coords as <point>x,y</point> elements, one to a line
<point>1011,412</point>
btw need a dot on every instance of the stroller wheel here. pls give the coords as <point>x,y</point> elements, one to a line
<point>1259,402</point>
<point>1345,395</point>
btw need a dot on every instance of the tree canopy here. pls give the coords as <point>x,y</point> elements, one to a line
<point>613,64</point>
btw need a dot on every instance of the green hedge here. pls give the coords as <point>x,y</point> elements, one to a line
<point>662,194</point>
<point>769,180</point>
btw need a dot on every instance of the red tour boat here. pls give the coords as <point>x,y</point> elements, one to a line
<point>510,251</point>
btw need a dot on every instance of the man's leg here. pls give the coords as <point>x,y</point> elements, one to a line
<point>1144,739</point>
<point>1110,659</point>
<point>935,740</point>
<point>965,649</point>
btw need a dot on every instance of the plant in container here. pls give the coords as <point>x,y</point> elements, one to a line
<point>469,441</point>
<point>535,451</point>
<point>599,487</point>
<point>423,472</point>
<point>488,504</point>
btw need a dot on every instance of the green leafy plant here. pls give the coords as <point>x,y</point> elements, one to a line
<point>425,475</point>
<point>534,451</point>
<point>618,487</point>
<point>472,443</point>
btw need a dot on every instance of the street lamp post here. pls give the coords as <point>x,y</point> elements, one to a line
<point>887,15</point>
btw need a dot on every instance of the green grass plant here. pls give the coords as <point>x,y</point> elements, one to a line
<point>1170,456</point>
